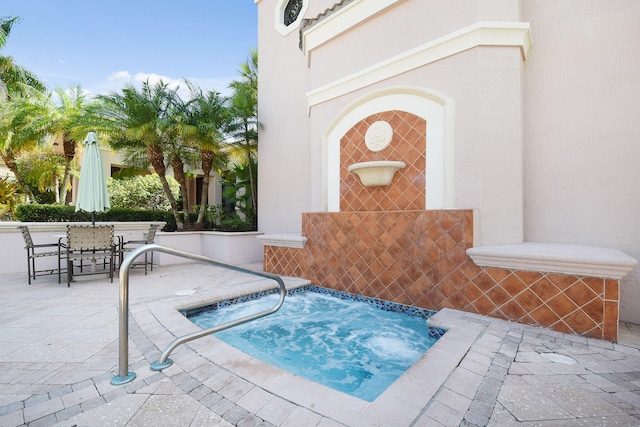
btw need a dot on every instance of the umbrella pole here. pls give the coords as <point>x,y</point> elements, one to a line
<point>93,222</point>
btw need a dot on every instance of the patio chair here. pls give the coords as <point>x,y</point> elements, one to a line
<point>36,251</point>
<point>130,245</point>
<point>93,243</point>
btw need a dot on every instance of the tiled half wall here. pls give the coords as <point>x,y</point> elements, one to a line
<point>419,258</point>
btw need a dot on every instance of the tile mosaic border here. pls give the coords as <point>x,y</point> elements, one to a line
<point>375,302</point>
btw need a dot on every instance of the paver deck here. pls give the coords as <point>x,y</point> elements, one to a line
<point>59,351</point>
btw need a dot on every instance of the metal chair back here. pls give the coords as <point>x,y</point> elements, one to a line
<point>35,251</point>
<point>151,235</point>
<point>89,237</point>
<point>149,238</point>
<point>90,242</point>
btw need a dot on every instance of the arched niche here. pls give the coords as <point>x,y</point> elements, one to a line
<point>434,107</point>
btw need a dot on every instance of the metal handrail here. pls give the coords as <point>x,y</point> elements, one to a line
<point>124,375</point>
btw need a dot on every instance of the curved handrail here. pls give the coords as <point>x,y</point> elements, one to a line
<point>124,376</point>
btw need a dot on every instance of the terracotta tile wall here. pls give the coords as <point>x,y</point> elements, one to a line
<point>383,244</point>
<point>419,258</point>
<point>407,190</point>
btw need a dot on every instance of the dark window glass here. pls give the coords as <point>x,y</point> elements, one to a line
<point>292,11</point>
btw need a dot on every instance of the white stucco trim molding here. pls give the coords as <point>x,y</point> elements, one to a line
<point>283,240</point>
<point>577,260</point>
<point>342,21</point>
<point>484,33</point>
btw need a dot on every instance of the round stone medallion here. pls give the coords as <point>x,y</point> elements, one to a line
<point>378,136</point>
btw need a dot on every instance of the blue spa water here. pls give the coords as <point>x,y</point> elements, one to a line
<point>348,345</point>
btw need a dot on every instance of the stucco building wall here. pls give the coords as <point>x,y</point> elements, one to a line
<point>488,133</point>
<point>545,144</point>
<point>283,174</point>
<point>582,180</point>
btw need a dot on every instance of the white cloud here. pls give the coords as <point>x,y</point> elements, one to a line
<point>154,78</point>
<point>116,80</point>
<point>122,76</point>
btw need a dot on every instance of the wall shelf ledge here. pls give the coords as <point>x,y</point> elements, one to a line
<point>556,258</point>
<point>283,240</point>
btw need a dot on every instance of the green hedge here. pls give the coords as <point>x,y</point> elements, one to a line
<point>59,213</point>
<point>234,224</point>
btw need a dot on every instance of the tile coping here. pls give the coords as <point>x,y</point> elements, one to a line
<point>401,403</point>
<point>284,240</point>
<point>556,258</point>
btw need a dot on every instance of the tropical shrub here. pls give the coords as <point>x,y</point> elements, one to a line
<point>222,221</point>
<point>238,190</point>
<point>43,172</point>
<point>141,192</point>
<point>10,196</point>
<point>235,224</point>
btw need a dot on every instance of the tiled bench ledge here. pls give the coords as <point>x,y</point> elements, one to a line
<point>576,260</point>
<point>284,240</point>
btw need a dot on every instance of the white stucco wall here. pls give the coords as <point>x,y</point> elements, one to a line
<point>582,157</point>
<point>399,28</point>
<point>283,141</point>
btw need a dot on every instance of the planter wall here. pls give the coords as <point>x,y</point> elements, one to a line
<point>234,248</point>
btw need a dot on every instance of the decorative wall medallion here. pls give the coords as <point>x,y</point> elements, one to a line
<point>378,136</point>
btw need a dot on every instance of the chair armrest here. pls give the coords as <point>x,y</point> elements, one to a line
<point>46,245</point>
<point>135,242</point>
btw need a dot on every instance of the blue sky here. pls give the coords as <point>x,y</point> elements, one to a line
<point>101,44</point>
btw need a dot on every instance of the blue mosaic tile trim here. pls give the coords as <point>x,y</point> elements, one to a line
<point>189,312</point>
<point>436,333</point>
<point>377,303</point>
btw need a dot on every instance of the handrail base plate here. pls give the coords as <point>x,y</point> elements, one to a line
<point>118,380</point>
<point>157,366</point>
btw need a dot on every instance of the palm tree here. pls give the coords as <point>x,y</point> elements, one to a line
<point>17,134</point>
<point>61,116</point>
<point>203,121</point>
<point>177,151</point>
<point>139,122</point>
<point>67,119</point>
<point>244,127</point>
<point>249,75</point>
<point>14,79</point>
<point>49,116</point>
<point>16,84</point>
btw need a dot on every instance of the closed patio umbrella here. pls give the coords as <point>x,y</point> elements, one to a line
<point>93,195</point>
